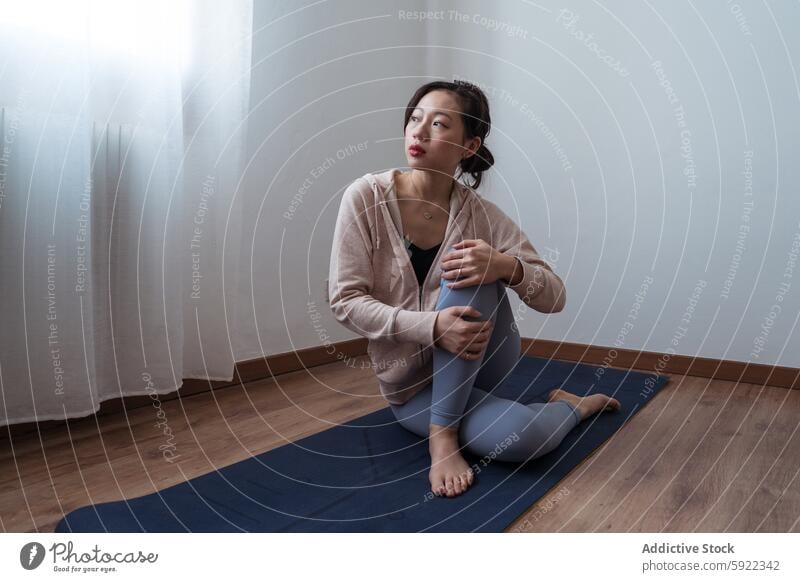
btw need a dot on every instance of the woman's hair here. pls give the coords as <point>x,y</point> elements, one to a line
<point>475,115</point>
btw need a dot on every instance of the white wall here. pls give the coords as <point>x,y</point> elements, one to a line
<point>325,79</point>
<point>640,215</point>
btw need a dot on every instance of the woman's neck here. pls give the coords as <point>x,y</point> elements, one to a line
<point>430,186</point>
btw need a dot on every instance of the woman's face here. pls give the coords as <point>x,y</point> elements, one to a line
<point>434,137</point>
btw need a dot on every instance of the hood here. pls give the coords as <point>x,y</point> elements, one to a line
<point>461,201</point>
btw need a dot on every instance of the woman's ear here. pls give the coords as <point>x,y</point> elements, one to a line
<point>472,147</point>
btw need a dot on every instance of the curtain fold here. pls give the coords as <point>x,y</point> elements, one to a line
<point>121,145</point>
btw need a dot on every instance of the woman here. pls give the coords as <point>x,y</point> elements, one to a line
<point>440,326</point>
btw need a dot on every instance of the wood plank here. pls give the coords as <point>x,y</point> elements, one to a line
<point>704,455</point>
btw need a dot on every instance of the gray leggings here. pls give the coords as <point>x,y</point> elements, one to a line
<point>461,389</point>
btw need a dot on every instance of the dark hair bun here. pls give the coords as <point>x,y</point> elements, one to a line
<point>477,163</point>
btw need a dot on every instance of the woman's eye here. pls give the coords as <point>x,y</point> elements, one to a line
<point>415,119</point>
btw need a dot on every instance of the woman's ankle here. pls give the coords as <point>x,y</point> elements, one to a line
<point>441,435</point>
<point>448,429</point>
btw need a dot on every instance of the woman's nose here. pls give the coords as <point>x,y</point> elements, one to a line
<point>419,133</point>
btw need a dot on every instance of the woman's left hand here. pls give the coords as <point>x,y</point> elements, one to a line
<point>478,262</point>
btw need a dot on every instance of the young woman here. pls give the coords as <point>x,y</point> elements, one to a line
<point>441,330</point>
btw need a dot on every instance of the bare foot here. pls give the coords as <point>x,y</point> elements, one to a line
<point>586,405</point>
<point>450,475</point>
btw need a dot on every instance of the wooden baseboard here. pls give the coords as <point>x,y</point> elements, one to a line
<point>664,363</point>
<point>251,370</point>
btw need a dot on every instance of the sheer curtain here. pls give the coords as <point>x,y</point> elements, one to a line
<point>121,145</point>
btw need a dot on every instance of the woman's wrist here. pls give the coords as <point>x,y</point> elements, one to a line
<point>511,269</point>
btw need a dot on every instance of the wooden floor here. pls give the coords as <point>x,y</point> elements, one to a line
<point>706,456</point>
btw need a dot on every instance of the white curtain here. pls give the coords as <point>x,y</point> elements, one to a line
<point>121,146</point>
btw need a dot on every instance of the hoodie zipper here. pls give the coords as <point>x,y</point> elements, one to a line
<point>419,308</point>
<point>408,259</point>
<point>425,280</point>
<point>410,268</point>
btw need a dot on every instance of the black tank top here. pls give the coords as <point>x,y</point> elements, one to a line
<point>422,259</point>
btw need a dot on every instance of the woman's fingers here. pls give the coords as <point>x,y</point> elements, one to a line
<point>469,352</point>
<point>480,326</point>
<point>480,339</point>
<point>476,346</point>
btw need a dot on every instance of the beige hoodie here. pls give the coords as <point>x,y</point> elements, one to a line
<point>374,292</point>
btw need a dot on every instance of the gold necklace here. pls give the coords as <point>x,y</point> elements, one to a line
<point>425,213</point>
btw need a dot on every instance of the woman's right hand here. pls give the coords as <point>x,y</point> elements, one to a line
<point>466,339</point>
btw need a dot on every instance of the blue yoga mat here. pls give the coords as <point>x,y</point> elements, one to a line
<point>371,474</point>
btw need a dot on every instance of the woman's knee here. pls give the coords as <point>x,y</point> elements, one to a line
<point>519,447</point>
<point>522,439</point>
<point>539,437</point>
<point>482,297</point>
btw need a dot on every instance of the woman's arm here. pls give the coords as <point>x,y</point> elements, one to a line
<point>533,279</point>
<point>511,269</point>
<point>351,278</point>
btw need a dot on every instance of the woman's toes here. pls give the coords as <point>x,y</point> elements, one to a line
<point>452,486</point>
<point>450,477</point>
